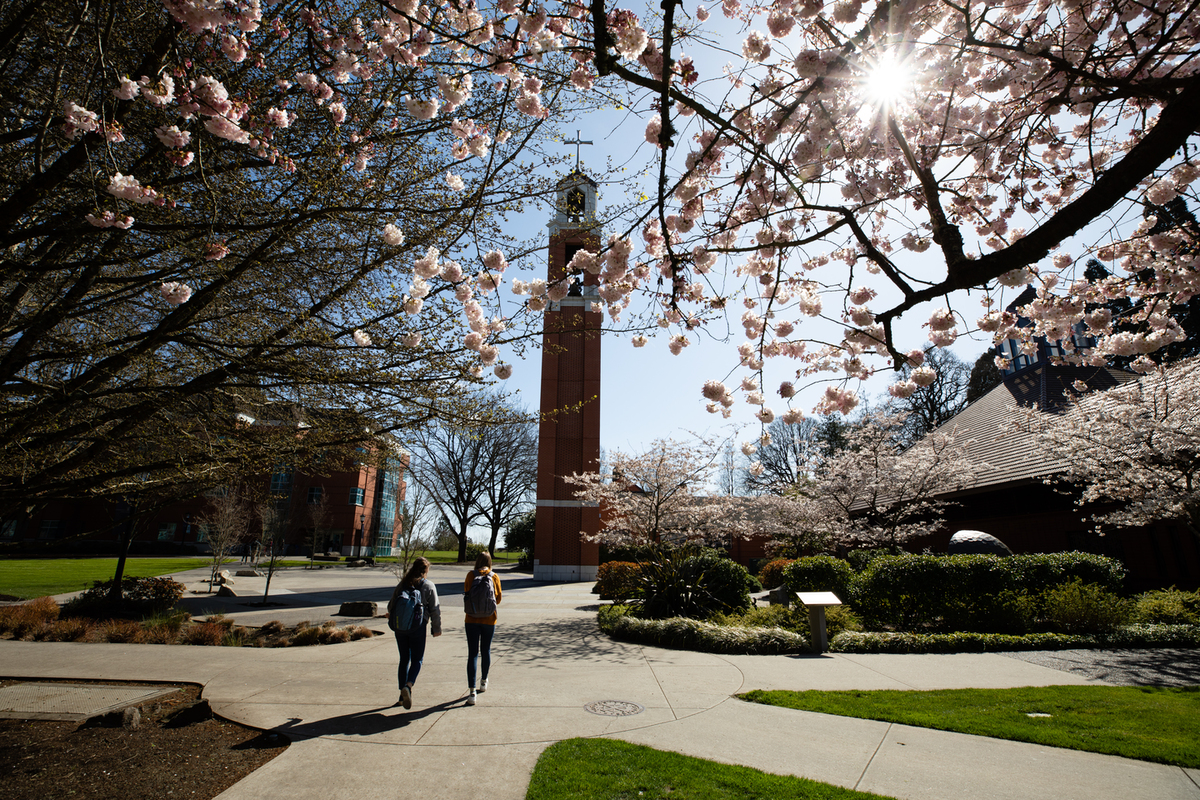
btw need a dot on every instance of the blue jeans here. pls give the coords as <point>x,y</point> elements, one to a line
<point>479,644</point>
<point>412,652</point>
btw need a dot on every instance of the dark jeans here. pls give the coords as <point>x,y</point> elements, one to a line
<point>412,652</point>
<point>479,644</point>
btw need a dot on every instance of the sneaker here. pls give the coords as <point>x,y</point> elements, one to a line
<point>471,698</point>
<point>406,696</point>
<point>483,686</point>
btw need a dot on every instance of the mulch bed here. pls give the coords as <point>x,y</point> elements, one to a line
<point>178,750</point>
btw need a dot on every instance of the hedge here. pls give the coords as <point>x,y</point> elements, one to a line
<point>1132,636</point>
<point>681,633</point>
<point>819,574</point>
<point>969,592</point>
<point>616,580</point>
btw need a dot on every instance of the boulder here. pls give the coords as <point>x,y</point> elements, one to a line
<point>358,608</point>
<point>224,578</point>
<point>248,573</point>
<point>976,543</point>
<point>358,562</point>
<point>781,596</point>
<point>225,591</point>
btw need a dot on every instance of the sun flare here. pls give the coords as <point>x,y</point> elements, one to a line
<point>888,81</point>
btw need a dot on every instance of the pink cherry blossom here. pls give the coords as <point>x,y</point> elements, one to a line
<point>127,187</point>
<point>503,371</point>
<point>361,338</point>
<point>392,235</point>
<point>176,293</point>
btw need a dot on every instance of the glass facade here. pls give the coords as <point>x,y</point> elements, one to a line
<point>389,491</point>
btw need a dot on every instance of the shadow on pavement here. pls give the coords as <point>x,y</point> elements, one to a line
<point>363,723</point>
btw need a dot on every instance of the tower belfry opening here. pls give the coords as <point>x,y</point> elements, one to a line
<point>569,433</point>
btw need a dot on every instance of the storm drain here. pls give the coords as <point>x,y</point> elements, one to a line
<point>71,701</point>
<point>614,708</point>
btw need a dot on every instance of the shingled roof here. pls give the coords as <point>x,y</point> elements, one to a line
<point>986,426</point>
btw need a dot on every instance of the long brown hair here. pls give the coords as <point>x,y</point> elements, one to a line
<point>418,570</point>
<point>482,560</point>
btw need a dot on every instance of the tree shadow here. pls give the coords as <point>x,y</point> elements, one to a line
<point>1151,667</point>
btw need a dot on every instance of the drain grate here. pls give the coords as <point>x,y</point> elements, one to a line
<point>68,701</point>
<point>614,708</point>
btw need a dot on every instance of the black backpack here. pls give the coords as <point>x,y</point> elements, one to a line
<point>480,599</point>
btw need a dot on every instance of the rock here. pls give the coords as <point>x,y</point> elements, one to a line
<point>359,608</point>
<point>225,591</point>
<point>131,718</point>
<point>248,573</point>
<point>358,562</point>
<point>976,543</point>
<point>225,579</point>
<point>781,596</point>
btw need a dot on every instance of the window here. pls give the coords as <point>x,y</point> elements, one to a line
<point>201,532</point>
<point>315,495</point>
<point>358,497</point>
<point>281,480</point>
<point>166,532</point>
<point>49,529</point>
<point>8,529</point>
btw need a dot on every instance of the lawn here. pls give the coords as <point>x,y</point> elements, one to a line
<point>607,769</point>
<point>37,577</point>
<point>1159,724</point>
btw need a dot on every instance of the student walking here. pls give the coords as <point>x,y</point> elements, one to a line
<point>482,595</point>
<point>414,605</point>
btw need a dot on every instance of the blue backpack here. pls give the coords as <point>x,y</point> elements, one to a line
<point>406,609</point>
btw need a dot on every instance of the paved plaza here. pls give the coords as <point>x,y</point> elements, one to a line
<point>554,676</point>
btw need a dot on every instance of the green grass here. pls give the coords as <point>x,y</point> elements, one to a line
<point>451,557</point>
<point>1143,722</point>
<point>37,577</point>
<point>607,769</point>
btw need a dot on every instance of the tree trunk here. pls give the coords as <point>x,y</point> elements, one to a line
<point>462,543</point>
<point>126,539</point>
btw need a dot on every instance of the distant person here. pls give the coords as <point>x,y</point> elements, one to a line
<point>411,642</point>
<point>482,595</point>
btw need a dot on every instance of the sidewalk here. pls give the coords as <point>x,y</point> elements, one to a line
<point>549,662</point>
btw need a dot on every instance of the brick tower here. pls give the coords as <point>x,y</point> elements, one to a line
<point>569,435</point>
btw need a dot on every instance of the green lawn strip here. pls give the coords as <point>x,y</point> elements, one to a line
<point>607,769</point>
<point>1159,724</point>
<point>37,577</point>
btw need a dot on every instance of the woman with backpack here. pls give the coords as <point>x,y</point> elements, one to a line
<point>481,596</point>
<point>414,604</point>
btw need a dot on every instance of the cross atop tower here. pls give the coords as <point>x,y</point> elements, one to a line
<point>576,141</point>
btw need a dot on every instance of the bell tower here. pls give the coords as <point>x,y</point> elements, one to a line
<point>569,434</point>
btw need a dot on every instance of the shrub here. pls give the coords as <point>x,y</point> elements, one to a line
<point>616,580</point>
<point>122,631</point>
<point>860,559</point>
<point>67,630</point>
<point>23,619</point>
<point>819,574</point>
<point>691,582</point>
<point>474,549</point>
<point>208,634</point>
<point>1078,607</point>
<point>1168,607</point>
<point>520,536</point>
<point>306,636</point>
<point>771,575</point>
<point>334,635</point>
<point>839,619</point>
<point>969,592</point>
<point>791,618</point>
<point>273,627</point>
<point>359,632</point>
<point>140,597</point>
<point>691,634</point>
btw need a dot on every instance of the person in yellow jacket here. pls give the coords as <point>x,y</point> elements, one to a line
<point>480,629</point>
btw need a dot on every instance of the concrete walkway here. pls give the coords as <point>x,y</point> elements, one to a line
<point>548,663</point>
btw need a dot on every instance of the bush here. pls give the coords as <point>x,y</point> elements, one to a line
<point>272,627</point>
<point>334,635</point>
<point>790,618</point>
<point>691,582</point>
<point>520,536</point>
<point>306,636</point>
<point>839,619</point>
<point>860,559</point>
<point>1078,607</point>
<point>691,634</point>
<point>771,575</point>
<point>616,580</point>
<point>1168,607</point>
<point>819,574</point>
<point>969,592</point>
<point>140,597</point>
<point>1128,637</point>
<point>122,631</point>
<point>208,634</point>
<point>25,618</point>
<point>474,549</point>
<point>66,630</point>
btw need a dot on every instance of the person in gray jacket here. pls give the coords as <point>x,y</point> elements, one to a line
<point>412,641</point>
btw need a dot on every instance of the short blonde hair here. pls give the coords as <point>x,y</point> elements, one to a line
<point>484,559</point>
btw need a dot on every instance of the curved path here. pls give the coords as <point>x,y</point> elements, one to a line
<point>549,662</point>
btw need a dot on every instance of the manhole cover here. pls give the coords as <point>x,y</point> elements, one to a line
<point>614,708</point>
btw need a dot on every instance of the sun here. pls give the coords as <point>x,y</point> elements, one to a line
<point>888,82</point>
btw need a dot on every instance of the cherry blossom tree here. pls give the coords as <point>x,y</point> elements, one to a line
<point>211,207</point>
<point>875,493</point>
<point>661,496</point>
<point>1137,445</point>
<point>870,160</point>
